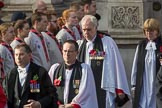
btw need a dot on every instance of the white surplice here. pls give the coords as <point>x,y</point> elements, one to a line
<point>14,43</point>
<point>7,60</point>
<point>86,97</point>
<point>113,75</point>
<point>38,53</point>
<point>148,96</point>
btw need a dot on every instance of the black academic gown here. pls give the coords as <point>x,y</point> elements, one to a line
<point>141,66</point>
<point>17,98</point>
<point>159,88</point>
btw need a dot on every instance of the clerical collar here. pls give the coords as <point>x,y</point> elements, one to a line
<point>151,45</point>
<point>25,68</point>
<point>92,39</point>
<point>155,40</point>
<point>69,67</point>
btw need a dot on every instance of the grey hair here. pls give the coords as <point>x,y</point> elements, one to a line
<point>91,19</point>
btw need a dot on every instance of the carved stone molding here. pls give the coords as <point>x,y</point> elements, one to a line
<point>125,21</point>
<point>125,17</point>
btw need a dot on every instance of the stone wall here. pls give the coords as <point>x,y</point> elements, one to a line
<point>26,6</point>
<point>123,19</point>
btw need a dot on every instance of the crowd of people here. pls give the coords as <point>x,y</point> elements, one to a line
<point>48,61</point>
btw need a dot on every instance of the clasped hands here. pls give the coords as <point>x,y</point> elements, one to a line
<point>66,106</point>
<point>121,95</point>
<point>32,104</point>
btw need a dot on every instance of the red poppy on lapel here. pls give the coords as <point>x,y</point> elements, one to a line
<point>96,54</point>
<point>92,52</point>
<point>57,82</point>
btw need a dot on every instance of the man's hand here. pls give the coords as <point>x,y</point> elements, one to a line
<point>133,93</point>
<point>121,95</point>
<point>32,104</point>
<point>68,106</point>
<point>61,106</point>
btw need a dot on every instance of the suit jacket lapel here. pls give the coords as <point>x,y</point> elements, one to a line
<point>11,81</point>
<point>16,87</point>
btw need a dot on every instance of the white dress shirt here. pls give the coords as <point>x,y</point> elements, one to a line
<point>67,82</point>
<point>22,74</point>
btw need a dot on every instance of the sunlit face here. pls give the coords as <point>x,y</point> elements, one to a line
<point>69,53</point>
<point>42,25</point>
<point>73,19</point>
<point>21,57</point>
<point>25,30</point>
<point>89,30</point>
<point>151,34</point>
<point>9,35</point>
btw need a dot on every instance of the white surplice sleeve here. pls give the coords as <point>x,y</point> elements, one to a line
<point>134,68</point>
<point>86,97</point>
<point>114,75</point>
<point>51,71</point>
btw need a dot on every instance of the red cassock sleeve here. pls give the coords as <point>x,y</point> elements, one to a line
<point>119,91</point>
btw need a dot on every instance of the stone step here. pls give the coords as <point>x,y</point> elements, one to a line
<point>27,8</point>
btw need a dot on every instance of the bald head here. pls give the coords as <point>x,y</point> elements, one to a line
<point>39,6</point>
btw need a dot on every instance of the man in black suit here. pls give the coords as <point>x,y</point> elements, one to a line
<point>28,85</point>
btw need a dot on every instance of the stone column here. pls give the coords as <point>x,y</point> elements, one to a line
<point>123,19</point>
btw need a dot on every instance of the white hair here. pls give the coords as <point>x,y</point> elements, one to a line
<point>91,19</point>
